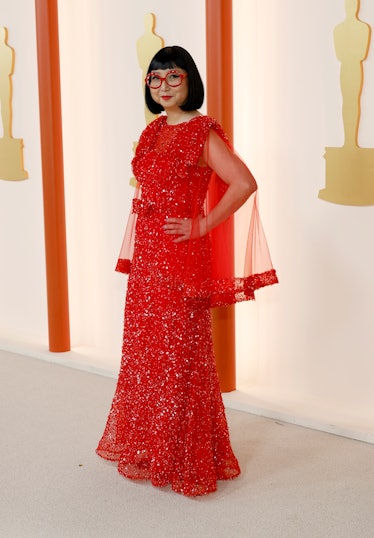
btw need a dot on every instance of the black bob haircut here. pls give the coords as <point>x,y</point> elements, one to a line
<point>169,58</point>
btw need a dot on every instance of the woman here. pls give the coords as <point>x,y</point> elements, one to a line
<point>167,420</point>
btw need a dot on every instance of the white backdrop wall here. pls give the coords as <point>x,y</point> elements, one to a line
<point>305,347</point>
<point>23,313</point>
<point>315,330</point>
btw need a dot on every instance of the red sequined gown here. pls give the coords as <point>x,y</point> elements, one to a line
<point>167,421</point>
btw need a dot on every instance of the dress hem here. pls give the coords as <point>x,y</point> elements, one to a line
<point>194,491</point>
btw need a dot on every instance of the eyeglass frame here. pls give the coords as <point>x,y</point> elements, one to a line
<point>163,79</point>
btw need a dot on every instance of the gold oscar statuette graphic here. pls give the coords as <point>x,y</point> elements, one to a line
<point>11,149</point>
<point>350,168</point>
<point>146,47</point>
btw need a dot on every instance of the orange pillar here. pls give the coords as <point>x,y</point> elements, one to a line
<point>220,106</point>
<point>53,173</point>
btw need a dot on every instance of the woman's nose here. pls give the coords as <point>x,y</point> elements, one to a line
<point>164,84</point>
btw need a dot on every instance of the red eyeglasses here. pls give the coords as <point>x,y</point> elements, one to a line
<point>172,78</point>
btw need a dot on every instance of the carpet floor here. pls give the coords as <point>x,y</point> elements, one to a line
<point>295,482</point>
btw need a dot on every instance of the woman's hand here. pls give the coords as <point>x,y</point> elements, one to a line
<point>240,185</point>
<point>185,229</point>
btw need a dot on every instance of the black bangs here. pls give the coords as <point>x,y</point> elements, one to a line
<point>168,58</point>
<point>161,65</point>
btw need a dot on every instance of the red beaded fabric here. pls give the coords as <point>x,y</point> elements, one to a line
<point>167,421</point>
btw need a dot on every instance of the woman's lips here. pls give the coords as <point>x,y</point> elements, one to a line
<point>166,97</point>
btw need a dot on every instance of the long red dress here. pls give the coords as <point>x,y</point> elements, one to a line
<point>167,421</point>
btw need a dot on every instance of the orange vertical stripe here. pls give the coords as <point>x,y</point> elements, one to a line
<point>53,174</point>
<point>220,106</point>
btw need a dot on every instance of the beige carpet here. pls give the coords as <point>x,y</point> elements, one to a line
<point>295,482</point>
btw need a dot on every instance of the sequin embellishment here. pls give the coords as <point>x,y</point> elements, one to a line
<point>167,422</point>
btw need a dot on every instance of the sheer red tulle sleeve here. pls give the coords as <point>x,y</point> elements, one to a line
<point>127,249</point>
<point>253,267</point>
<point>218,278</point>
<point>223,280</point>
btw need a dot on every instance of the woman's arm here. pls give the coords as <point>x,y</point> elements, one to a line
<point>241,184</point>
<point>232,170</point>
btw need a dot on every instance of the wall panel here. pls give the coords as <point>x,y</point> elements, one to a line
<point>23,312</point>
<point>308,357</point>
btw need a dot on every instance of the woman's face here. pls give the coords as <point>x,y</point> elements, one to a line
<point>170,97</point>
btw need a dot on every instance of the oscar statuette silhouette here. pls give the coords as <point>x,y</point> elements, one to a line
<point>146,47</point>
<point>11,149</point>
<point>350,168</point>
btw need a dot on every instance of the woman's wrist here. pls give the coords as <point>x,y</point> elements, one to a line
<point>204,226</point>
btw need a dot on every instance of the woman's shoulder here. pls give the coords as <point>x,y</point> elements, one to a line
<point>151,130</point>
<point>205,119</point>
<point>211,124</point>
<point>203,123</point>
<point>155,124</point>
